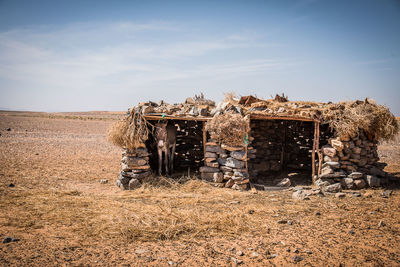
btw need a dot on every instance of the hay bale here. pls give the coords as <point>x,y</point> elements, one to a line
<point>229,128</point>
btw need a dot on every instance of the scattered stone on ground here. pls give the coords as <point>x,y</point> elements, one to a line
<point>11,185</point>
<point>340,195</point>
<point>297,258</point>
<point>236,261</point>
<point>300,195</point>
<point>9,239</point>
<point>103,181</point>
<point>333,188</point>
<point>239,253</point>
<point>282,221</point>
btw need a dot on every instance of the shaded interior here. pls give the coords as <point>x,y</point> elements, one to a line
<point>189,154</point>
<point>283,149</point>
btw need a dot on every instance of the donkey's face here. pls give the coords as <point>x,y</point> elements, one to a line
<point>161,133</point>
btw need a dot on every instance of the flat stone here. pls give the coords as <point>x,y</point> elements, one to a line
<point>214,149</point>
<point>103,181</point>
<point>337,144</point>
<point>208,169</point>
<point>284,182</point>
<point>329,151</point>
<point>320,183</point>
<point>225,169</point>
<point>234,163</point>
<point>377,172</point>
<point>333,188</point>
<point>210,155</point>
<point>239,155</point>
<point>300,195</point>
<point>332,164</point>
<point>356,175</point>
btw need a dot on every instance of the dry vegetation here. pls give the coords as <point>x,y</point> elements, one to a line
<point>62,215</point>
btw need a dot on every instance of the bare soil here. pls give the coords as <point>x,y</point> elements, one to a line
<point>63,215</point>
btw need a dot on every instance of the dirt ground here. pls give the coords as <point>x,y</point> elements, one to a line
<point>61,214</point>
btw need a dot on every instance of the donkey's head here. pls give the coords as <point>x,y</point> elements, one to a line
<point>161,133</point>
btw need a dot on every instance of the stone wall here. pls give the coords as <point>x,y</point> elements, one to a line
<point>352,162</point>
<point>135,168</point>
<point>225,166</point>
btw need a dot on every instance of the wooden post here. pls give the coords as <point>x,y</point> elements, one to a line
<point>318,152</point>
<point>313,153</point>
<point>204,138</point>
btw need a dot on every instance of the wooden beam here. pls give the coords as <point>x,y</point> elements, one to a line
<point>169,117</point>
<point>288,118</point>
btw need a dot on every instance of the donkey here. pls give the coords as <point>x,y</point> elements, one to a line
<point>166,142</point>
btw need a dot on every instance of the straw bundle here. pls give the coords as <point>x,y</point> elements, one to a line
<point>347,118</point>
<point>130,132</point>
<point>229,129</point>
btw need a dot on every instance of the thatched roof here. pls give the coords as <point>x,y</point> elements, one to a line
<point>345,118</point>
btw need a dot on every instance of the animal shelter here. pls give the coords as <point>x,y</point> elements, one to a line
<point>248,142</point>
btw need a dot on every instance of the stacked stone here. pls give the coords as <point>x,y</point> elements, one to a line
<point>225,166</point>
<point>135,168</point>
<point>352,161</point>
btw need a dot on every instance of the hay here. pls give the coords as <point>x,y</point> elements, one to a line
<point>348,118</point>
<point>229,129</point>
<point>130,132</point>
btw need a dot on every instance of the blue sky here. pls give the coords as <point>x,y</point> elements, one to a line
<point>109,55</point>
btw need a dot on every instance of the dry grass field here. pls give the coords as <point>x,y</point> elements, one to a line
<point>63,215</point>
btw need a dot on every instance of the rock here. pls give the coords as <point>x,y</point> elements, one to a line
<point>134,183</point>
<point>214,149</point>
<point>208,169</point>
<point>240,174</point>
<point>300,195</point>
<point>210,155</point>
<point>232,163</point>
<point>348,182</point>
<point>8,129</point>
<point>284,183</point>
<point>229,183</point>
<point>141,251</point>
<point>352,232</point>
<point>296,250</point>
<point>254,254</point>
<point>337,144</point>
<point>239,155</point>
<point>282,222</point>
<point>134,161</point>
<point>239,253</point>
<point>329,151</point>
<point>297,258</point>
<point>327,159</point>
<point>373,181</point>
<point>340,195</point>
<point>9,239</point>
<point>236,261</point>
<point>356,194</point>
<point>333,188</point>
<point>360,183</point>
<point>215,177</point>
<point>381,224</point>
<point>290,222</point>
<point>332,164</point>
<point>356,175</point>
<point>272,256</point>
<point>320,183</point>
<point>225,169</point>
<point>327,170</point>
<point>11,185</point>
<point>103,181</point>
<point>317,213</point>
<point>171,263</point>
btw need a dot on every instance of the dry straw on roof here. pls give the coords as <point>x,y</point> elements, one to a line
<point>348,118</point>
<point>130,132</point>
<point>229,128</point>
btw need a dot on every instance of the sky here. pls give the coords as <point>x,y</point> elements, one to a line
<point>109,55</point>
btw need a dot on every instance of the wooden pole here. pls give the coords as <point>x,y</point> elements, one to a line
<point>319,152</point>
<point>313,153</point>
<point>204,138</point>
